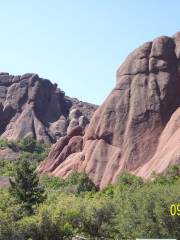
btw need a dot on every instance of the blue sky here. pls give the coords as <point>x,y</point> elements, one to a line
<point>79,43</point>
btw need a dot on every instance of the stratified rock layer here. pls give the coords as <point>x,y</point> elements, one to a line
<point>34,107</point>
<point>133,129</point>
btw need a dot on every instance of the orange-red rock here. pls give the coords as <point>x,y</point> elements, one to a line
<point>135,128</point>
<point>34,107</point>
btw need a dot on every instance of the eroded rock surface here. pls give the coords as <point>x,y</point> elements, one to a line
<point>34,107</point>
<point>135,128</point>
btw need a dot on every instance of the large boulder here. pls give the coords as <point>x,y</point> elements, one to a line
<point>134,128</point>
<point>66,146</point>
<point>34,107</point>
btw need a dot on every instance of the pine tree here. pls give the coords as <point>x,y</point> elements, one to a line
<point>25,186</point>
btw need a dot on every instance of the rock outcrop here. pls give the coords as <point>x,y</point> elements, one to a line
<point>167,151</point>
<point>135,128</point>
<point>34,107</point>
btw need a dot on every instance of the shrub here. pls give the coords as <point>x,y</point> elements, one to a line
<point>31,145</point>
<point>3,143</point>
<point>145,212</point>
<point>51,182</point>
<point>25,186</point>
<point>78,183</point>
<point>7,167</point>
<point>129,180</point>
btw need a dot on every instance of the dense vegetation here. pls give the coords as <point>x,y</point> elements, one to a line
<point>129,209</point>
<point>27,148</point>
<point>25,187</point>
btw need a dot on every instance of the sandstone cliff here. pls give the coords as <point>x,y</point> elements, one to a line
<point>34,107</point>
<point>137,128</point>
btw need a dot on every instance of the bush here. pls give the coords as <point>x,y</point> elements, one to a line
<point>129,209</point>
<point>6,226</point>
<point>78,183</point>
<point>7,167</point>
<point>73,215</point>
<point>27,148</point>
<point>26,228</point>
<point>51,225</point>
<point>3,143</point>
<point>26,145</point>
<point>31,145</point>
<point>129,180</point>
<point>25,187</point>
<point>51,182</point>
<point>145,213</point>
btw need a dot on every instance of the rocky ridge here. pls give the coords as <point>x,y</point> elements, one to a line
<point>31,106</point>
<point>137,128</point>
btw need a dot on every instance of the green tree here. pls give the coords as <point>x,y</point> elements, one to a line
<point>28,145</point>
<point>129,180</point>
<point>25,186</point>
<point>79,182</point>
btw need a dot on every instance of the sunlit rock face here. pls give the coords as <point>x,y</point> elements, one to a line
<point>137,128</point>
<point>31,106</point>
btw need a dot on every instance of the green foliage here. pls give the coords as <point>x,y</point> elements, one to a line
<point>129,180</point>
<point>51,225</point>
<point>26,228</point>
<point>108,191</point>
<point>31,145</point>
<point>69,215</point>
<point>3,143</point>
<point>51,182</point>
<point>25,186</point>
<point>170,176</point>
<point>96,215</point>
<point>78,183</point>
<point>145,213</point>
<point>26,145</point>
<point>129,209</point>
<point>7,167</point>
<point>26,148</point>
<point>6,199</point>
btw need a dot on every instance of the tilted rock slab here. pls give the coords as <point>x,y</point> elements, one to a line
<point>135,128</point>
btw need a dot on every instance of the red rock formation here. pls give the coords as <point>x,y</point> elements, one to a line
<point>133,129</point>
<point>168,149</point>
<point>67,145</point>
<point>34,107</point>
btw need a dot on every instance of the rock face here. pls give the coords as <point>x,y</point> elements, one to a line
<point>137,128</point>
<point>34,107</point>
<point>168,149</point>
